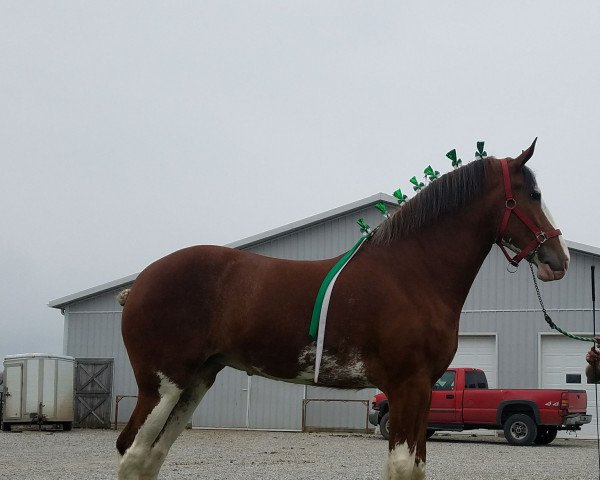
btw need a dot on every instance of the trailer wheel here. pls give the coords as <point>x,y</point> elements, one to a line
<point>384,427</point>
<point>520,429</point>
<point>67,426</point>
<point>545,435</point>
<point>5,427</point>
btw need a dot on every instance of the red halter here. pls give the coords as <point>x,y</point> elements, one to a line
<point>512,207</point>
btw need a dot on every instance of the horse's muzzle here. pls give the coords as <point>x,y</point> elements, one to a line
<point>552,260</point>
<point>547,272</point>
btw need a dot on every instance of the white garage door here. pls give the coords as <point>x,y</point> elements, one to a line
<point>478,351</point>
<point>561,356</point>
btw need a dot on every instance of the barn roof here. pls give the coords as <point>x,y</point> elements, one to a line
<point>582,248</point>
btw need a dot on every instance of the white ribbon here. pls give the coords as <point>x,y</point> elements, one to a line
<point>323,316</point>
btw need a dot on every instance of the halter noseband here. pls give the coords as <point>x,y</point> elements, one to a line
<point>512,207</point>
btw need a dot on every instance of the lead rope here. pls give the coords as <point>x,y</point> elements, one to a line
<point>576,337</point>
<point>549,320</point>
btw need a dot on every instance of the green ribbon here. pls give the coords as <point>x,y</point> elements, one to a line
<point>400,196</point>
<point>364,228</point>
<point>480,152</point>
<point>383,209</point>
<point>418,186</point>
<point>431,174</point>
<point>456,162</point>
<point>314,323</point>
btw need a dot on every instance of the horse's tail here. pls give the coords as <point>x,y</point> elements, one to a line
<point>122,296</point>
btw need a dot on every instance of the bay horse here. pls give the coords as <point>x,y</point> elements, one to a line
<point>393,315</point>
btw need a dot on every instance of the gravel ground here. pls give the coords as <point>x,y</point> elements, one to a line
<point>236,455</point>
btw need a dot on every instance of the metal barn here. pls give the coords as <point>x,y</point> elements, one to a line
<point>502,331</point>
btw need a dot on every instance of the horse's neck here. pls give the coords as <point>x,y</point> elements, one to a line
<point>451,251</point>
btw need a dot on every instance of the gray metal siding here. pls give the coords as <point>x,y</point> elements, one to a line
<point>225,404</point>
<point>93,328</point>
<point>328,414</point>
<point>275,405</point>
<point>239,401</point>
<point>497,289</point>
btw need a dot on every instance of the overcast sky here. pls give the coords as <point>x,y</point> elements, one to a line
<point>131,129</point>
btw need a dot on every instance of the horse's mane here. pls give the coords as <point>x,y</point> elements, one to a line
<point>444,196</point>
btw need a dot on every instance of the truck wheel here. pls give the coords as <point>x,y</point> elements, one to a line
<point>383,426</point>
<point>430,432</point>
<point>520,429</point>
<point>545,435</point>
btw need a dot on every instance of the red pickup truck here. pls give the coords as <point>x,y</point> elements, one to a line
<point>461,400</point>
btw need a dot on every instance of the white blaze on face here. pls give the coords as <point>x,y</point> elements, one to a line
<point>563,245</point>
<point>544,270</point>
<point>401,465</point>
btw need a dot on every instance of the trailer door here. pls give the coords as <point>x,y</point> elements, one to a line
<point>14,390</point>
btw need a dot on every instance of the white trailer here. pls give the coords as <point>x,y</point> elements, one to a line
<point>38,389</point>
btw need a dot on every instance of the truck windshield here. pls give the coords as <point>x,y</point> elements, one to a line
<point>445,382</point>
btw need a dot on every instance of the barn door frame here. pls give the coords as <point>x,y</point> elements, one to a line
<point>93,392</point>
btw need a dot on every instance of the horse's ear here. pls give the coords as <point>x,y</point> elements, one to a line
<point>526,154</point>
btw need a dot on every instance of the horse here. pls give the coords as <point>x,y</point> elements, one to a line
<point>392,322</point>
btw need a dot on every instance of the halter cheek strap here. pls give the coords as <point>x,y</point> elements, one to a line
<point>512,207</point>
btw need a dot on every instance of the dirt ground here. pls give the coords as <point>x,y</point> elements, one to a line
<point>233,455</point>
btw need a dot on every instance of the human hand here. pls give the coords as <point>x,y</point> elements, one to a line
<point>593,356</point>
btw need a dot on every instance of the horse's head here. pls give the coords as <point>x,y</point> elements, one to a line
<point>527,228</point>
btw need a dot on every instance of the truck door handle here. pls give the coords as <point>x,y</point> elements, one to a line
<point>449,396</point>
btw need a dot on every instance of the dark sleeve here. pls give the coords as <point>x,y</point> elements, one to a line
<point>592,376</point>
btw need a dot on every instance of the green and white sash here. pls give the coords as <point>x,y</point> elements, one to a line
<point>319,315</point>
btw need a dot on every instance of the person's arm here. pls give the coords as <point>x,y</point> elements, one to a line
<point>592,376</point>
<point>592,370</point>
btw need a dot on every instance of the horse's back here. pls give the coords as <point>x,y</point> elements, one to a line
<point>180,277</point>
<point>201,276</point>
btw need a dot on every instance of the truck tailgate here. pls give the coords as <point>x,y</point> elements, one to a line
<point>577,401</point>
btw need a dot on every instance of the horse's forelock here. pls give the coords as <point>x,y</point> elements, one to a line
<point>530,180</point>
<point>444,196</point>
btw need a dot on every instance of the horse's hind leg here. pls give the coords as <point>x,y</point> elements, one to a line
<point>182,413</point>
<point>153,409</point>
<point>158,419</point>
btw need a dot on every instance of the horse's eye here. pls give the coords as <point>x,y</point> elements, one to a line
<point>536,195</point>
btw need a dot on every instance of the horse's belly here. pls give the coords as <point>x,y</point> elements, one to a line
<point>339,371</point>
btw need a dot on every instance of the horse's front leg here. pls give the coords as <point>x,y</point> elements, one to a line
<point>409,407</point>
